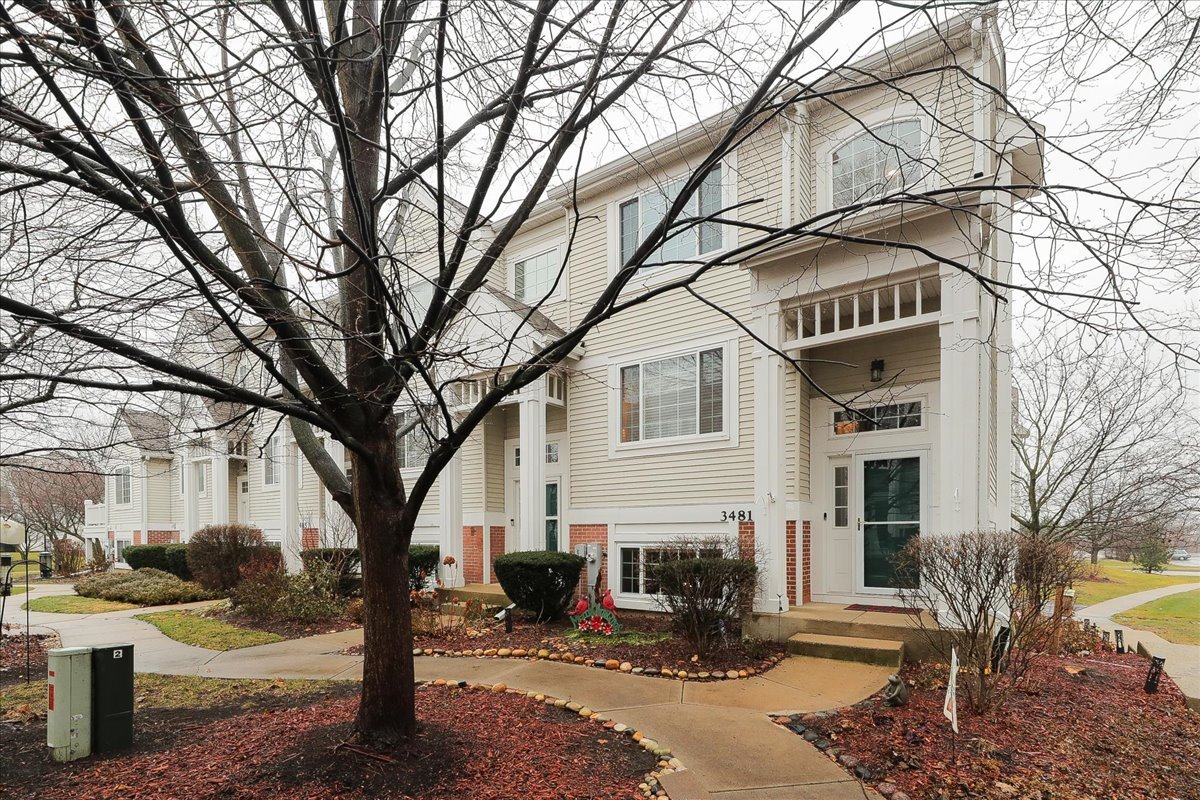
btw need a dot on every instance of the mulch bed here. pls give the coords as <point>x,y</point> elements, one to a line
<point>13,656</point>
<point>286,628</point>
<point>1093,735</point>
<point>673,654</point>
<point>472,744</point>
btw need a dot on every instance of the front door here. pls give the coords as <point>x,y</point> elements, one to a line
<point>890,515</point>
<point>243,506</point>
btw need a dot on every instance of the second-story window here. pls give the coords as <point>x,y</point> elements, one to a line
<point>534,277</point>
<point>123,486</point>
<point>414,446</point>
<point>884,159</point>
<point>639,216</point>
<point>679,396</point>
<point>271,465</point>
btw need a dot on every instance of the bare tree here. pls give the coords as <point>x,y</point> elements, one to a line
<point>48,498</point>
<point>1104,442</point>
<point>283,176</point>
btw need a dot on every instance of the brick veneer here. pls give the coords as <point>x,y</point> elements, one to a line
<point>496,542</point>
<point>162,537</point>
<point>790,547</point>
<point>472,567</point>
<point>591,534</point>
<point>310,538</point>
<point>746,540</point>
<point>112,536</point>
<point>137,537</point>
<point>806,566</point>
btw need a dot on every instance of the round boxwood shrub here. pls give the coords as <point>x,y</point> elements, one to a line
<point>422,562</point>
<point>540,581</point>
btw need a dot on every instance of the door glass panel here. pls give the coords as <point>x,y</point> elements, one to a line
<point>891,516</point>
<point>841,497</point>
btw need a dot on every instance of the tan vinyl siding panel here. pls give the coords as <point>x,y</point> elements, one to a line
<point>472,470</point>
<point>913,355</point>
<point>162,486</point>
<point>804,439</point>
<point>309,495</point>
<point>556,419</point>
<point>759,175</point>
<point>494,469</point>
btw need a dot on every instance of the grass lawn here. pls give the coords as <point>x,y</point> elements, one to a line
<point>1175,618</point>
<point>201,631</point>
<point>18,589</point>
<point>74,604</point>
<point>1121,580</point>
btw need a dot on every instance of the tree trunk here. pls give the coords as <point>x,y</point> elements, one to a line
<point>1095,557</point>
<point>387,713</point>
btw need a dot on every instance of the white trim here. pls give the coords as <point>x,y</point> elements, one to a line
<point>126,470</point>
<point>727,437</point>
<point>860,124</point>
<point>561,271</point>
<point>858,539</point>
<point>200,470</point>
<point>268,457</point>
<point>648,534</point>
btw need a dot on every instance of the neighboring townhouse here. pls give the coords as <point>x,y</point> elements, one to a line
<point>672,420</point>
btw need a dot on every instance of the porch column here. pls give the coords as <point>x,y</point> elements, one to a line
<point>219,491</point>
<point>451,523</point>
<point>289,512</point>
<point>963,434</point>
<point>532,502</point>
<point>770,443</point>
<point>189,495</point>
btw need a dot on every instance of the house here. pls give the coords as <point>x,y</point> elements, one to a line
<point>674,419</point>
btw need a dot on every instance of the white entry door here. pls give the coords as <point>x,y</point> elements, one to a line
<point>243,505</point>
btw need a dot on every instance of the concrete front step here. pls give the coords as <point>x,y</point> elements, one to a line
<point>884,652</point>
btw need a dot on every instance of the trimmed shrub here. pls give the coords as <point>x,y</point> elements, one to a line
<point>143,587</point>
<point>422,562</point>
<point>344,561</point>
<point>170,558</point>
<point>215,554</point>
<point>706,597</point>
<point>540,581</point>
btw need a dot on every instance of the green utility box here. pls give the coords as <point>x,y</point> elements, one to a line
<point>112,697</point>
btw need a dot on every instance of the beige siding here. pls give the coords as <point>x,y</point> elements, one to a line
<point>494,454</point>
<point>473,471</point>
<point>162,486</point>
<point>913,355</point>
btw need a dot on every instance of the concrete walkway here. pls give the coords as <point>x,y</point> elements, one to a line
<point>1183,660</point>
<point>721,731</point>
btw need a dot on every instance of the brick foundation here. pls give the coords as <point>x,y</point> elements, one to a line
<point>162,537</point>
<point>496,535</point>
<point>806,563</point>
<point>591,534</point>
<point>746,540</point>
<point>137,537</point>
<point>790,545</point>
<point>112,536</point>
<point>472,566</point>
<point>310,538</point>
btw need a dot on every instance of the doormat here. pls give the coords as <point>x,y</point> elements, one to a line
<point>885,609</point>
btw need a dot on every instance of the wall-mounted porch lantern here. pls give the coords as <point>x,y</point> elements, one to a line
<point>877,370</point>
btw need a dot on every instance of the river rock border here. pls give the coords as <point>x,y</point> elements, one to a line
<point>612,664</point>
<point>649,787</point>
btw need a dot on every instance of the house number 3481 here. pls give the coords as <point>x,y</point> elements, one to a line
<point>740,516</point>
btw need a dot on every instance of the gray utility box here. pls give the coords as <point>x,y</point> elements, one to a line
<point>69,703</point>
<point>112,697</point>
<point>592,554</point>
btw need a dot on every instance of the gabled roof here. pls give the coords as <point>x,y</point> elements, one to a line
<point>148,430</point>
<point>536,319</point>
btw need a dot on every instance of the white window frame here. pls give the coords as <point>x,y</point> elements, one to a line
<point>200,470</point>
<point>649,277</point>
<point>640,600</point>
<point>863,124</point>
<point>726,437</point>
<point>560,290</point>
<point>183,473</point>
<point>880,398</point>
<point>400,441</point>
<point>117,542</point>
<point>271,459</point>
<point>125,471</point>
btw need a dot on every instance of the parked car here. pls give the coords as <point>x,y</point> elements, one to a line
<point>1180,555</point>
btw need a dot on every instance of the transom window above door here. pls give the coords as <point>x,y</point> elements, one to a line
<point>641,214</point>
<point>673,397</point>
<point>888,417</point>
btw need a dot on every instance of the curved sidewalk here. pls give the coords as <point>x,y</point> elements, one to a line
<point>1183,660</point>
<point>721,731</point>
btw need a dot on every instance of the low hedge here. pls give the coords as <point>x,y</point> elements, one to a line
<point>143,587</point>
<point>170,558</point>
<point>540,581</point>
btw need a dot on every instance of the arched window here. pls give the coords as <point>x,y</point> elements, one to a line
<point>883,159</point>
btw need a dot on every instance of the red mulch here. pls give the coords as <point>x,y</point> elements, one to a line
<point>288,629</point>
<point>472,744</point>
<point>13,656</point>
<point>1096,735</point>
<point>674,653</point>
